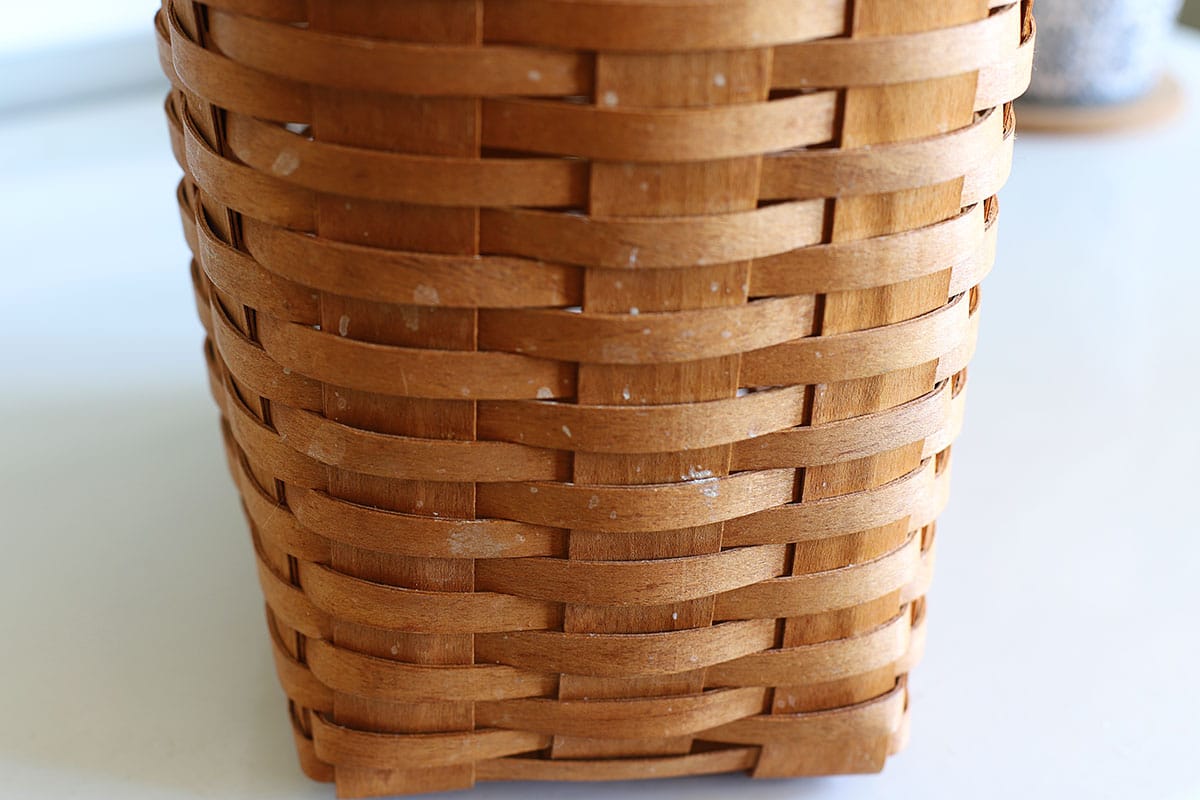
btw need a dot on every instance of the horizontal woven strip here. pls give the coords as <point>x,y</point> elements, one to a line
<point>251,91</point>
<point>816,592</point>
<point>366,64</point>
<point>881,715</point>
<point>624,719</point>
<point>346,746</point>
<point>702,763</point>
<point>883,60</point>
<point>627,655</point>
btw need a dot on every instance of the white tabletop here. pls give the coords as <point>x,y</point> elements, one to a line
<point>1063,641</point>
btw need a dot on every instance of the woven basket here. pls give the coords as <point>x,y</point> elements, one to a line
<point>589,368</point>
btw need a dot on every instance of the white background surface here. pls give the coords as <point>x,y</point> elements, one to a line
<point>1063,648</point>
<point>72,49</point>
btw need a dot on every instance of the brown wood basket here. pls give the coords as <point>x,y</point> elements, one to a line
<point>589,368</point>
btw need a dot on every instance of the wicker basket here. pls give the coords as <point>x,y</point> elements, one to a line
<point>589,368</point>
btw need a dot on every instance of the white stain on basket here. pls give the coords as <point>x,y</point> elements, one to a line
<point>544,393</point>
<point>285,163</point>
<point>704,479</point>
<point>412,317</point>
<point>625,393</point>
<point>534,75</point>
<point>474,543</point>
<point>426,295</point>
<point>326,452</point>
<point>633,256</point>
<point>610,98</point>
<point>593,501</point>
<point>566,431</point>
<point>719,79</point>
<point>344,325</point>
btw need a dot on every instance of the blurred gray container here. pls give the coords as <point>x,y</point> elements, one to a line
<point>1099,52</point>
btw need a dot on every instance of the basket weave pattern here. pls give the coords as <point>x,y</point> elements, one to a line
<point>589,368</point>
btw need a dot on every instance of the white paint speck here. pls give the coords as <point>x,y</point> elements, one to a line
<point>633,256</point>
<point>534,75</point>
<point>544,393</point>
<point>726,334</point>
<point>610,98</point>
<point>674,615</point>
<point>593,501</point>
<point>646,331</point>
<point>625,393</point>
<point>287,370</point>
<point>719,79</point>
<point>566,431</point>
<point>816,354</point>
<point>612,515</point>
<point>533,490</point>
<point>466,391</point>
<point>344,325</point>
<point>395,649</point>
<point>633,312</point>
<point>714,287</point>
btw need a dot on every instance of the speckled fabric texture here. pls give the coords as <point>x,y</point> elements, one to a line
<point>1093,52</point>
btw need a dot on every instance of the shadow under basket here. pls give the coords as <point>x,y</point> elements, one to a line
<point>589,368</point>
